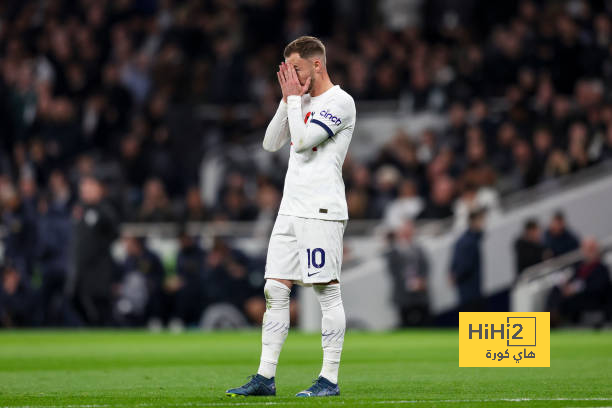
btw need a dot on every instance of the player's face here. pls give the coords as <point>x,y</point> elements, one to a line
<point>303,67</point>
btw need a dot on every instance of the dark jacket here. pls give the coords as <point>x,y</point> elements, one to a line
<point>93,236</point>
<point>527,253</point>
<point>224,286</point>
<point>151,268</point>
<point>596,278</point>
<point>16,308</point>
<point>403,265</point>
<point>54,234</point>
<point>562,243</point>
<point>466,265</point>
<point>434,211</point>
<point>190,264</point>
<point>20,238</point>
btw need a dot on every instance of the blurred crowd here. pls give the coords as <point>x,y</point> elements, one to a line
<point>587,289</point>
<point>60,270</point>
<point>104,86</point>
<point>129,96</point>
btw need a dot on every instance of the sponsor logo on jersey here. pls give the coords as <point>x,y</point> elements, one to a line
<point>330,116</point>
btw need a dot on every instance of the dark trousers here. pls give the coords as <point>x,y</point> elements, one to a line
<point>414,315</point>
<point>94,309</point>
<point>53,298</point>
<point>472,305</point>
<point>189,303</point>
<point>570,308</point>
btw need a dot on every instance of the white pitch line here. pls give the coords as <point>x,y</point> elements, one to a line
<point>227,404</point>
<point>490,400</point>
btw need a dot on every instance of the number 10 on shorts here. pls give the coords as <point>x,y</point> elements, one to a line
<point>316,257</point>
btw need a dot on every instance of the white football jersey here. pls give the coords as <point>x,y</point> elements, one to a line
<point>313,185</point>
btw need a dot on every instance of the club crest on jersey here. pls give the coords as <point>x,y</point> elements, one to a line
<point>329,116</point>
<point>308,116</point>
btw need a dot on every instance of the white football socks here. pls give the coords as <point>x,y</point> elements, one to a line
<point>333,327</point>
<point>275,326</point>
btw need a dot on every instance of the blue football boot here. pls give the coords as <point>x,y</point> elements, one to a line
<point>257,385</point>
<point>321,387</point>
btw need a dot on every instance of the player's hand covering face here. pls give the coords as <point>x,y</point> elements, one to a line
<point>290,82</point>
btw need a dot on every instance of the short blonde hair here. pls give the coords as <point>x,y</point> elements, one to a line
<point>306,47</point>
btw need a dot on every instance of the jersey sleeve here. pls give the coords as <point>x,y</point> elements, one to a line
<point>322,126</point>
<point>336,115</point>
<point>277,132</point>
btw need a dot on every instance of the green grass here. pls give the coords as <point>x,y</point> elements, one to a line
<point>90,369</point>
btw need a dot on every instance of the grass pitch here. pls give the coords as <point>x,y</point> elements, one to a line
<point>96,369</point>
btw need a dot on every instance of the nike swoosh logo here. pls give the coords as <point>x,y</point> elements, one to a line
<point>312,274</point>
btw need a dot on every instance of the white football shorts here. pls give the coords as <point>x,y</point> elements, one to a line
<point>305,250</point>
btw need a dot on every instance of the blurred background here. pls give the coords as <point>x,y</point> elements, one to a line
<point>134,190</point>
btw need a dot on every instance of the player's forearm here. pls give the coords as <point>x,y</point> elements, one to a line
<point>303,137</point>
<point>277,132</point>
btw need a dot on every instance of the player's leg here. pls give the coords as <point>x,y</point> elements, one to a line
<point>275,325</point>
<point>333,327</point>
<point>274,331</point>
<point>323,250</point>
<point>281,270</point>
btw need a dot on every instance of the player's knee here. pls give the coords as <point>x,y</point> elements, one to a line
<point>277,295</point>
<point>329,295</point>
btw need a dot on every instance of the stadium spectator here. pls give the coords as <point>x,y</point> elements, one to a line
<point>19,216</point>
<point>471,198</point>
<point>440,202</point>
<point>268,201</point>
<point>155,204</point>
<point>54,243</point>
<point>525,169</point>
<point>143,272</point>
<point>558,238</point>
<point>606,150</point>
<point>465,268</point>
<point>578,155</point>
<point>235,279</point>
<point>386,178</point>
<point>529,248</point>
<point>187,288</point>
<point>407,206</point>
<point>17,300</point>
<point>503,154</point>
<point>587,289</point>
<point>543,146</point>
<point>409,268</point>
<point>194,210</point>
<point>358,202</point>
<point>401,153</point>
<point>557,165</point>
<point>359,191</point>
<point>96,229</point>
